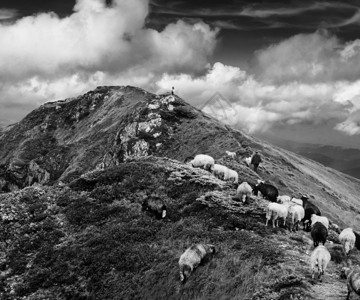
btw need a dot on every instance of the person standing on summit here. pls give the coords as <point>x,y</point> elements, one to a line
<point>256,160</point>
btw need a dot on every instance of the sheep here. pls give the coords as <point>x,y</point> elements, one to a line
<point>192,257</point>
<point>320,257</point>
<point>324,220</point>
<point>347,239</point>
<point>297,201</point>
<point>247,160</point>
<point>310,209</point>
<point>267,190</point>
<point>296,214</point>
<point>244,191</point>
<point>155,207</point>
<point>275,211</point>
<point>220,171</point>
<point>334,227</point>
<point>353,280</point>
<point>232,176</point>
<point>203,161</point>
<point>319,233</point>
<point>283,199</point>
<point>357,240</point>
<point>231,154</point>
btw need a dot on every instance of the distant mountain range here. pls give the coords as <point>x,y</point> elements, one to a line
<point>346,160</point>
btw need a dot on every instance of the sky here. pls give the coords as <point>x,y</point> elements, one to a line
<point>284,68</point>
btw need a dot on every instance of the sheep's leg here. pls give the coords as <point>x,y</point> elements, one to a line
<point>267,220</point>
<point>313,273</point>
<point>348,295</point>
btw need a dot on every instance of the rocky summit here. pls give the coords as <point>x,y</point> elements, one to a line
<point>74,175</point>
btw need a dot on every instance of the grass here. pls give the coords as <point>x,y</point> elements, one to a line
<point>96,243</point>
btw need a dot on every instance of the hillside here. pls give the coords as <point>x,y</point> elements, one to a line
<point>78,231</point>
<point>345,160</point>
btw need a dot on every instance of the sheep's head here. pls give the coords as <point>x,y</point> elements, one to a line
<point>186,273</point>
<point>163,211</point>
<point>259,182</point>
<point>210,249</point>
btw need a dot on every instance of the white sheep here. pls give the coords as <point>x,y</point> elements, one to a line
<point>247,160</point>
<point>203,161</point>
<point>283,199</point>
<point>296,214</point>
<point>231,154</point>
<point>347,239</point>
<point>321,219</point>
<point>244,191</point>
<point>296,201</point>
<point>275,211</point>
<point>220,171</point>
<point>319,258</point>
<point>192,257</point>
<point>232,176</point>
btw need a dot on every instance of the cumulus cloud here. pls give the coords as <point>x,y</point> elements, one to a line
<point>319,57</point>
<point>255,105</point>
<point>64,56</point>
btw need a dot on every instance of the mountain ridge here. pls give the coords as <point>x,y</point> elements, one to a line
<point>74,179</point>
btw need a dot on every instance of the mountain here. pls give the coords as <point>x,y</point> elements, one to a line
<point>346,160</point>
<point>75,173</point>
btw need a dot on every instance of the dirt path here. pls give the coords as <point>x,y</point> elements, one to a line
<point>331,286</point>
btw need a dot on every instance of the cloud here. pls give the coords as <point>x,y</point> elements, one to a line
<point>319,57</point>
<point>51,53</point>
<point>256,106</point>
<point>7,14</point>
<point>351,126</point>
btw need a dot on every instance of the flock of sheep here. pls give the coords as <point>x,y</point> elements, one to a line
<point>280,207</point>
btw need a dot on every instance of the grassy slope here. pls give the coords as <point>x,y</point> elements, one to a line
<point>92,241</point>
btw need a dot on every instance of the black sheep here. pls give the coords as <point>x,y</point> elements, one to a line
<point>155,207</point>
<point>309,209</point>
<point>357,240</point>
<point>319,233</point>
<point>267,190</point>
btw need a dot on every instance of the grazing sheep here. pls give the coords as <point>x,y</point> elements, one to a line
<point>319,233</point>
<point>347,239</point>
<point>203,161</point>
<point>220,171</point>
<point>275,211</point>
<point>243,192</point>
<point>296,214</point>
<point>192,257</point>
<point>156,207</point>
<point>353,280</point>
<point>232,176</point>
<point>267,190</point>
<point>310,209</point>
<point>324,220</point>
<point>247,160</point>
<point>320,257</point>
<point>231,154</point>
<point>283,199</point>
